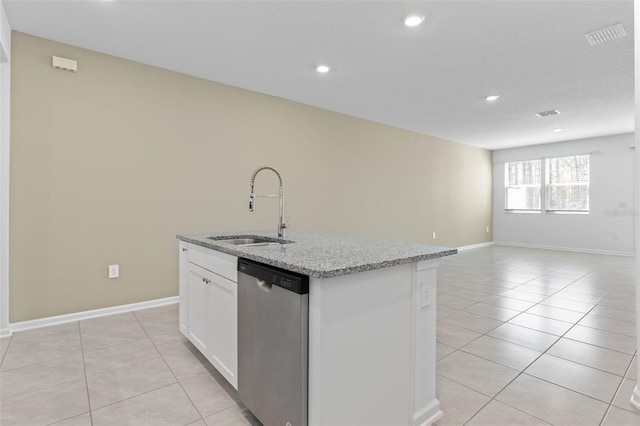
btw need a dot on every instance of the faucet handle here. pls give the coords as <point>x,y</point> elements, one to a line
<point>282,228</point>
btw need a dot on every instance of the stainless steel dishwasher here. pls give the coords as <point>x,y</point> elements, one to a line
<point>273,318</point>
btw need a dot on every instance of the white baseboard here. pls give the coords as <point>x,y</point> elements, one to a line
<point>475,246</point>
<point>574,249</point>
<point>77,316</point>
<point>5,332</point>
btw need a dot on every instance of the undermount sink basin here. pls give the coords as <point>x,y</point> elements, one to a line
<point>249,241</point>
<point>245,241</point>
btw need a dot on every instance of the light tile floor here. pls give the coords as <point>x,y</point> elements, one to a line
<point>524,337</point>
<point>536,337</point>
<point>126,369</point>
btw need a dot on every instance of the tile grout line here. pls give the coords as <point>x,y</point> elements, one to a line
<point>107,371</point>
<point>84,369</point>
<point>56,384</point>
<point>537,304</point>
<point>151,390</point>
<point>504,322</point>
<point>543,353</point>
<point>169,368</point>
<point>208,373</point>
<point>492,398</point>
<point>32,363</point>
<point>615,394</point>
<point>6,350</point>
<point>618,389</point>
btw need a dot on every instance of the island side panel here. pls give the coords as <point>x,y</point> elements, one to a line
<point>426,408</point>
<point>361,348</point>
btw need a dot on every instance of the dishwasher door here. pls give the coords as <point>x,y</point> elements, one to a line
<point>273,317</point>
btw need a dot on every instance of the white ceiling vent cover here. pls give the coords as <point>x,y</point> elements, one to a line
<point>548,113</point>
<point>605,34</point>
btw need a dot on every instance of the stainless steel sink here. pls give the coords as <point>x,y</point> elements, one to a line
<point>249,241</point>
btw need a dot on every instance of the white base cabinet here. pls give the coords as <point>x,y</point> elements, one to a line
<point>208,307</point>
<point>371,337</point>
<point>372,348</point>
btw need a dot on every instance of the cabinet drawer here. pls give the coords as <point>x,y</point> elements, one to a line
<point>220,263</point>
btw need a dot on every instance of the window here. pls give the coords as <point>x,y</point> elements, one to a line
<point>565,189</point>
<point>567,183</point>
<point>522,185</point>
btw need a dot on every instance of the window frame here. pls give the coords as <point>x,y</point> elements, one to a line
<point>507,187</point>
<point>543,188</point>
<point>548,209</point>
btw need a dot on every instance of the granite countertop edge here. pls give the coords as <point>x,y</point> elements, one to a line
<point>303,263</point>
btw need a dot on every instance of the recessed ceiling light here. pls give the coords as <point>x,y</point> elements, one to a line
<point>413,20</point>
<point>492,98</point>
<point>323,68</point>
<point>558,130</point>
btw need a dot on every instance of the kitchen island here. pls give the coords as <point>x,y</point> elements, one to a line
<point>371,341</point>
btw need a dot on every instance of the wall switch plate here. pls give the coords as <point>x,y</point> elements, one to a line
<point>434,235</point>
<point>425,294</point>
<point>487,229</point>
<point>114,271</point>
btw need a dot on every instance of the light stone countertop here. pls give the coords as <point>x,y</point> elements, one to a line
<point>323,255</point>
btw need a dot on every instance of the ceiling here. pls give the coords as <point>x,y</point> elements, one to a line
<point>430,79</point>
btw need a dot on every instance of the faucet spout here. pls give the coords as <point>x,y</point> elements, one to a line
<point>252,199</point>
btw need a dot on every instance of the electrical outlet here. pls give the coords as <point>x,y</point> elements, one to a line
<point>114,271</point>
<point>615,236</point>
<point>425,293</point>
<point>434,235</point>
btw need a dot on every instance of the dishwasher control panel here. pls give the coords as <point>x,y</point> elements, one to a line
<point>288,280</point>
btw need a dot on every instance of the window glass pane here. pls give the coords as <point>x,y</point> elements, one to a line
<point>522,185</point>
<point>567,181</point>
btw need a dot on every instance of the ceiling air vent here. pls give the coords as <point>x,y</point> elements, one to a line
<point>64,64</point>
<point>548,113</point>
<point>605,34</point>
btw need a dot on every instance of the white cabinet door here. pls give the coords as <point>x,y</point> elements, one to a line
<point>183,287</point>
<point>223,295</point>
<point>209,315</point>
<point>199,312</point>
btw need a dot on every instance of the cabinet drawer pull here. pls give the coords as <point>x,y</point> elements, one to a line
<point>184,249</point>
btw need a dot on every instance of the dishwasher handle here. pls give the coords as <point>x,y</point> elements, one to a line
<point>273,276</point>
<point>263,285</point>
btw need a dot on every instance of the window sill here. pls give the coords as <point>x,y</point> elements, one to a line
<point>566,212</point>
<point>551,212</point>
<point>522,211</point>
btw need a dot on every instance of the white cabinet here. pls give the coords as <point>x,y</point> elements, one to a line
<point>209,291</point>
<point>198,301</point>
<point>223,317</point>
<point>374,321</point>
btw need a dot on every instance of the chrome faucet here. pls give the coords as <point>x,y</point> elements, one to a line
<point>252,199</point>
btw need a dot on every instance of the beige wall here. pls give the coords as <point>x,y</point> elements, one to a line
<point>109,163</point>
